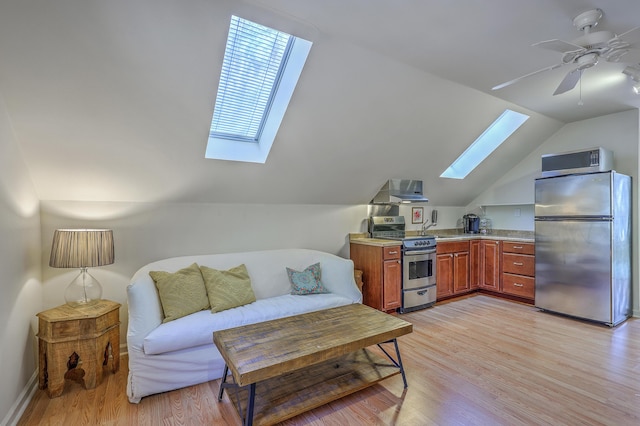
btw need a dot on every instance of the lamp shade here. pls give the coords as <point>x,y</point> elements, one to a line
<point>81,248</point>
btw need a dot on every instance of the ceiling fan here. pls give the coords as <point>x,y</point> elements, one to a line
<point>585,51</point>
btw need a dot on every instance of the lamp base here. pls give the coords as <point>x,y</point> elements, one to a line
<point>83,290</point>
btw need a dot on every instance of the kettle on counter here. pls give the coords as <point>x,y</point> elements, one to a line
<point>471,223</point>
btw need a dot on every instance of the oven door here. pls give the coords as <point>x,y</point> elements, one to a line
<point>418,269</point>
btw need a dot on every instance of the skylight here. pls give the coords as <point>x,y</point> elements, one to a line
<point>260,70</point>
<point>508,122</point>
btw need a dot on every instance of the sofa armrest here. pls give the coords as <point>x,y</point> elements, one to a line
<point>145,309</point>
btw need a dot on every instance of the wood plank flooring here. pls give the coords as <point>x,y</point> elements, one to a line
<point>473,361</point>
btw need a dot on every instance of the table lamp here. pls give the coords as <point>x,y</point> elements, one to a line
<point>82,248</point>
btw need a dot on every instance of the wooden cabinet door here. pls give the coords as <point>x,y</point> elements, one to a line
<point>460,272</point>
<point>490,265</point>
<point>475,264</point>
<point>444,275</point>
<point>392,292</point>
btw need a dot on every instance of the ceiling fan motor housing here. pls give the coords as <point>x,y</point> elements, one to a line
<point>597,40</point>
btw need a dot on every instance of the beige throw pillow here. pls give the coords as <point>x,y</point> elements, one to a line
<point>181,292</point>
<point>228,289</point>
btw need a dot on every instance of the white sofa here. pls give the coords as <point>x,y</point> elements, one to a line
<point>179,353</point>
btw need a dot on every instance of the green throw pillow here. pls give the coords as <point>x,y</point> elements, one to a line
<point>228,289</point>
<point>307,281</point>
<point>181,293</point>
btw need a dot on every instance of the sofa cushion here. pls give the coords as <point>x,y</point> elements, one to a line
<point>181,292</point>
<point>228,289</point>
<point>197,329</point>
<point>307,281</point>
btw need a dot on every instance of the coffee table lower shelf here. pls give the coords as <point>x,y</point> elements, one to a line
<point>290,394</point>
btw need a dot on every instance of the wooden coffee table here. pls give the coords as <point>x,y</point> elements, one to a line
<point>284,367</point>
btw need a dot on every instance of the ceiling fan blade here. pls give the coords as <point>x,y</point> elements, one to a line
<point>631,56</point>
<point>515,80</point>
<point>630,36</point>
<point>569,81</point>
<point>558,46</point>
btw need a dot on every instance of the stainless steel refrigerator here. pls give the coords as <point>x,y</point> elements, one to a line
<point>583,246</point>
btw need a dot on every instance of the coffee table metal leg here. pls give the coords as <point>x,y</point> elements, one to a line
<point>398,361</point>
<point>223,382</point>
<point>248,419</point>
<point>404,377</point>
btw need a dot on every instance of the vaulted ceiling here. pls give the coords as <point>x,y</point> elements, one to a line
<point>112,100</point>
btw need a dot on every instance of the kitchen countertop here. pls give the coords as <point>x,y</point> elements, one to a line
<point>378,242</point>
<point>448,235</point>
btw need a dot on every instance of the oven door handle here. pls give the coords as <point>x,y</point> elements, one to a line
<point>418,252</point>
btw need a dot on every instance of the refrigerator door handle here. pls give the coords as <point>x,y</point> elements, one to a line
<point>574,218</point>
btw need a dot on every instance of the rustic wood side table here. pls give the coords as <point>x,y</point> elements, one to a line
<point>78,343</point>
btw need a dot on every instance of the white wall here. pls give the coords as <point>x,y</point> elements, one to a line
<point>618,132</point>
<point>20,287</point>
<point>517,216</point>
<point>144,232</point>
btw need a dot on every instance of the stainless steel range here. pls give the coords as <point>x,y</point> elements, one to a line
<point>418,261</point>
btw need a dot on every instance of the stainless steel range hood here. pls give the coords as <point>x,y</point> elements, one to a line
<point>400,191</point>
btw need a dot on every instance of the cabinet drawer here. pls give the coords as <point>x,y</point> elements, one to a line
<point>452,247</point>
<point>519,285</point>
<point>520,264</point>
<point>520,248</point>
<point>392,252</point>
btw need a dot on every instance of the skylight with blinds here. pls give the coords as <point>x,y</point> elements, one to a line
<point>260,70</point>
<point>508,122</point>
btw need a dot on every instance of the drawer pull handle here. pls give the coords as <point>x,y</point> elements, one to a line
<point>518,285</point>
<point>517,247</point>
<point>422,293</point>
<point>518,263</point>
<point>393,252</point>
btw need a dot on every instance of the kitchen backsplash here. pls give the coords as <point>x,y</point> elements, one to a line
<point>513,217</point>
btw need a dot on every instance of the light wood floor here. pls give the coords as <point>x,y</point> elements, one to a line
<point>473,361</point>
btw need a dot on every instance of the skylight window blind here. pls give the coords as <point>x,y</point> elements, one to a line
<point>253,62</point>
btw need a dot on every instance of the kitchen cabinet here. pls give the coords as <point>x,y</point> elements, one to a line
<point>381,274</point>
<point>490,265</point>
<point>518,269</point>
<point>452,268</point>
<point>475,264</point>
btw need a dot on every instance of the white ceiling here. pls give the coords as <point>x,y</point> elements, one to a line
<point>111,100</point>
<point>481,44</point>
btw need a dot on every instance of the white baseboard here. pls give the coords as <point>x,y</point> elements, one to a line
<point>18,407</point>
